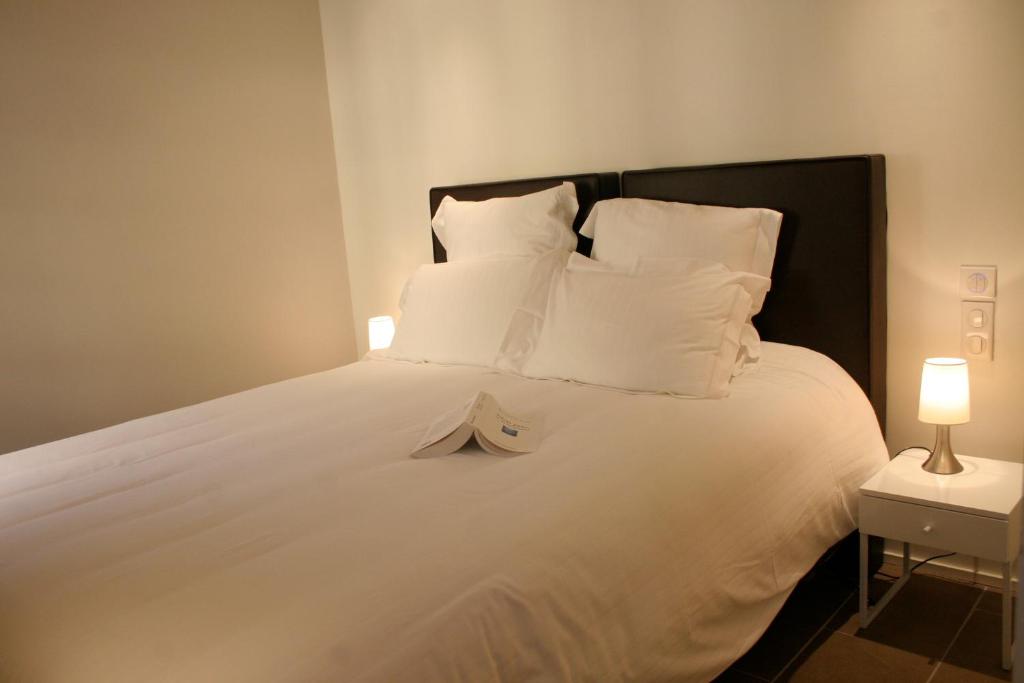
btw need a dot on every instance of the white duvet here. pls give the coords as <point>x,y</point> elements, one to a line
<point>283,534</point>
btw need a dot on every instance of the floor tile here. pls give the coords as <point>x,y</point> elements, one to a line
<point>733,676</point>
<point>808,608</point>
<point>905,643</point>
<point>923,618</point>
<point>978,647</point>
<point>947,673</point>
<point>992,601</point>
<point>776,648</point>
<point>835,657</point>
<point>846,619</point>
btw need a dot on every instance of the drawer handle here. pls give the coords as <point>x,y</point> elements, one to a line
<point>927,528</point>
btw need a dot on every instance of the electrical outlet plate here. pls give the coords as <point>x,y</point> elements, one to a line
<point>977,329</point>
<point>977,283</point>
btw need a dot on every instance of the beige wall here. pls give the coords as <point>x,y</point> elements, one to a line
<point>169,212</point>
<point>440,92</point>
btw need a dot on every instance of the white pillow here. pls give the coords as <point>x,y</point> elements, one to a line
<point>670,326</point>
<point>750,349</point>
<point>749,352</point>
<point>460,312</point>
<point>508,226</point>
<point>742,239</point>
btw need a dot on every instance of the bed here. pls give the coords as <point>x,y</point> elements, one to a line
<point>284,533</point>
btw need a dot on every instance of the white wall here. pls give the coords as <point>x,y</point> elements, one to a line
<point>169,221</point>
<point>451,91</point>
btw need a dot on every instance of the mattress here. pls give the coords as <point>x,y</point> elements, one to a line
<point>283,533</point>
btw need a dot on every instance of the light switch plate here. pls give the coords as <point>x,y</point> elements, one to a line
<point>977,329</point>
<point>977,283</point>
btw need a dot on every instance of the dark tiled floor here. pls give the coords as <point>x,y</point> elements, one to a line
<point>933,631</point>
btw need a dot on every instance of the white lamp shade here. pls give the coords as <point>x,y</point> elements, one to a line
<point>382,331</point>
<point>945,392</point>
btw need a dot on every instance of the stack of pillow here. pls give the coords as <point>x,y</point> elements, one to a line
<point>663,305</point>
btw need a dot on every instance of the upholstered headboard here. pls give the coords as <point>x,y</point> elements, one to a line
<point>590,187</point>
<point>828,284</point>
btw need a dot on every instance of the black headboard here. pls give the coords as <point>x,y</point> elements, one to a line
<point>590,187</point>
<point>828,283</point>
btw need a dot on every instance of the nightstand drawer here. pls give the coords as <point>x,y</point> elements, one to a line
<point>943,529</point>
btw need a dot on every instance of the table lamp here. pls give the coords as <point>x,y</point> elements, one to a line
<point>382,331</point>
<point>945,401</point>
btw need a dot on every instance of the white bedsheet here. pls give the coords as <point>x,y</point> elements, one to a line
<point>283,534</point>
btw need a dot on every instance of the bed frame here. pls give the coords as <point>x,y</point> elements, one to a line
<point>828,282</point>
<point>829,278</point>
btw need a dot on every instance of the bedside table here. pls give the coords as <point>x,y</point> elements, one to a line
<point>976,512</point>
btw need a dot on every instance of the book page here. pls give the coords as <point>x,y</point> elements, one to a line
<point>448,444</point>
<point>447,423</point>
<point>504,430</point>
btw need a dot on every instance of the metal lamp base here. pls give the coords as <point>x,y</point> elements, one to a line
<point>941,460</point>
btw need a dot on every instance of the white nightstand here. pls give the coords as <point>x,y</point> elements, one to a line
<point>976,512</point>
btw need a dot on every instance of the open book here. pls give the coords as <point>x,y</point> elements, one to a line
<point>481,418</point>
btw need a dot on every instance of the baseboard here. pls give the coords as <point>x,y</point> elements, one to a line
<point>962,568</point>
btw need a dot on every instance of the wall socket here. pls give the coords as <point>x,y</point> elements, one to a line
<point>977,312</point>
<point>977,328</point>
<point>977,283</point>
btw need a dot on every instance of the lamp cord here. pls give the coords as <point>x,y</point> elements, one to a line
<point>918,564</point>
